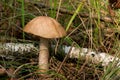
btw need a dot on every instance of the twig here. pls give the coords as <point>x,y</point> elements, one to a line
<point>65,11</point>
<point>21,67</point>
<point>6,71</point>
<point>65,58</point>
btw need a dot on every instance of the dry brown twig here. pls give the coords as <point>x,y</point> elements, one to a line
<point>65,58</point>
<point>65,11</point>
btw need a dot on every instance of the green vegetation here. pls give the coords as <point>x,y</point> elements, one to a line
<point>88,24</point>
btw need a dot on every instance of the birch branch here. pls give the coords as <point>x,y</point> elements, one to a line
<point>6,50</point>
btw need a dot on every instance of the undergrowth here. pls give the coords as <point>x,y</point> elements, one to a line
<point>85,24</point>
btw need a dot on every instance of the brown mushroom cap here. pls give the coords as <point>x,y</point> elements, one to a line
<point>45,27</point>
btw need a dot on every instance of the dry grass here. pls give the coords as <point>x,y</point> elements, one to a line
<point>92,27</point>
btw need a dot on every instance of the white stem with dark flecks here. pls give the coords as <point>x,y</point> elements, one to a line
<point>43,55</point>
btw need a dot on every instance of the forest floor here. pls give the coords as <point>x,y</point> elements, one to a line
<point>88,24</point>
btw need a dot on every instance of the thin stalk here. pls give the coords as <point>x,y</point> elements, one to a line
<point>58,9</point>
<point>53,4</point>
<point>23,17</point>
<point>74,15</point>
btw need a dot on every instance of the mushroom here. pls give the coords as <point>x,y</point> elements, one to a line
<point>46,28</point>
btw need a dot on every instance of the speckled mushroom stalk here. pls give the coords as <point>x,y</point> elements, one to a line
<point>43,55</point>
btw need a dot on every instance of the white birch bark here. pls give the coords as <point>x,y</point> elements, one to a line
<point>96,57</point>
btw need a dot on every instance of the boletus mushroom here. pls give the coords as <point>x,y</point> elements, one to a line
<point>46,28</point>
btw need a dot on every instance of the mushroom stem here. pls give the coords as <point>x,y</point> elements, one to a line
<point>43,55</point>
